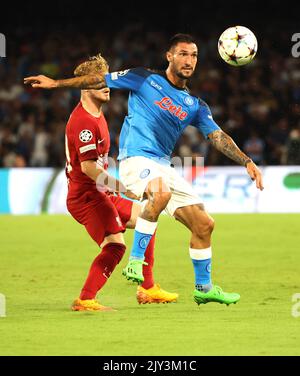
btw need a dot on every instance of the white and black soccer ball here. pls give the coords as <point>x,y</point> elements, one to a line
<point>237,45</point>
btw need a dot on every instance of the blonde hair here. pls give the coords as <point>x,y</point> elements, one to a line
<point>95,64</point>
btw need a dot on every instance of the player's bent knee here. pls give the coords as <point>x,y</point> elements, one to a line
<point>113,238</point>
<point>165,197</point>
<point>204,227</point>
<point>211,224</point>
<point>161,199</point>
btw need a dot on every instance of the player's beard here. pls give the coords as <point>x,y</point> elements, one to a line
<point>183,76</point>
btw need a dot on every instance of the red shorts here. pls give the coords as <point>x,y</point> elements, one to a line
<point>101,214</point>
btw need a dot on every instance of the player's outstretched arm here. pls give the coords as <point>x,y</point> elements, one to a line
<point>90,81</point>
<point>225,144</point>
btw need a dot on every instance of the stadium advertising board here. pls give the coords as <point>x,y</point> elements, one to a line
<point>223,190</point>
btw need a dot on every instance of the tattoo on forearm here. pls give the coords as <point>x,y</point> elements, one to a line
<point>225,144</point>
<point>83,82</point>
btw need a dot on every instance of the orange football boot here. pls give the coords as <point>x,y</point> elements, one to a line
<point>155,295</point>
<point>89,305</point>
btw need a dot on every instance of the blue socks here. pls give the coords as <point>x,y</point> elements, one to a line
<point>201,259</point>
<point>142,235</point>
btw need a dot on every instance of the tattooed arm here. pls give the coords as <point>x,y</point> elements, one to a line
<point>82,82</point>
<point>225,144</point>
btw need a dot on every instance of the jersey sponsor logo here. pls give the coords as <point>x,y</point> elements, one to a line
<point>188,101</point>
<point>85,135</point>
<point>99,141</point>
<point>154,84</point>
<point>144,173</point>
<point>166,104</point>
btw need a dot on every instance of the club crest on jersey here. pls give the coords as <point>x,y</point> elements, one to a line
<point>166,104</point>
<point>85,135</point>
<point>144,173</point>
<point>188,101</point>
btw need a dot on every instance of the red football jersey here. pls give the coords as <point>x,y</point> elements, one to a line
<point>87,138</point>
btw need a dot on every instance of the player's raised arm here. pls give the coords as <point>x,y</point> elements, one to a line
<point>225,144</point>
<point>95,80</point>
<point>83,82</point>
<point>130,79</point>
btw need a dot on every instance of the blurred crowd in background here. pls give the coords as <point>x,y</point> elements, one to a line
<point>258,105</point>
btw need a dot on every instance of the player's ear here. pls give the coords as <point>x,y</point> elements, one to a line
<point>169,56</point>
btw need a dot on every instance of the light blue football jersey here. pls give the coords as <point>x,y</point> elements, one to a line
<point>158,112</point>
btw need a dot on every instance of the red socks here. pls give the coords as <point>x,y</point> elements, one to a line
<point>147,269</point>
<point>105,263</point>
<point>101,269</point>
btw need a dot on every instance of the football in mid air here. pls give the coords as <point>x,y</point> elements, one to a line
<point>237,45</point>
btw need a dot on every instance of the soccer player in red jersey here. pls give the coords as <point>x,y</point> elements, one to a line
<point>104,214</point>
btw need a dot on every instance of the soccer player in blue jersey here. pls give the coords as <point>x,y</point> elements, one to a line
<point>160,107</point>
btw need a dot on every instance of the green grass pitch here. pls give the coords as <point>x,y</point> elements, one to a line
<point>44,261</point>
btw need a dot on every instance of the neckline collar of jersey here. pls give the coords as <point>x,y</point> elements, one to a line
<point>86,110</point>
<point>171,83</point>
